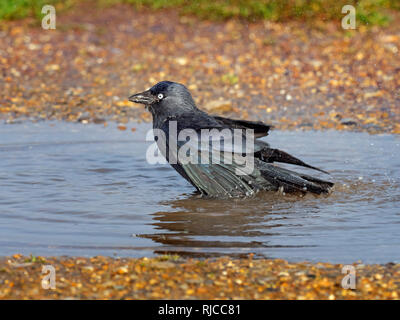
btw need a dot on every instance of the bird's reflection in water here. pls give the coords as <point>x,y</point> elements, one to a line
<point>199,227</point>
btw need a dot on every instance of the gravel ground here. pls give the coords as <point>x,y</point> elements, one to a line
<point>292,75</point>
<point>171,277</point>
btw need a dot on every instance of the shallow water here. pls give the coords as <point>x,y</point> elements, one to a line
<point>74,189</point>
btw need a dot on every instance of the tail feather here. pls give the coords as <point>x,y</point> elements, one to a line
<point>276,155</point>
<point>292,181</point>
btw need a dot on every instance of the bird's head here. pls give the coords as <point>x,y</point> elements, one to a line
<point>165,97</point>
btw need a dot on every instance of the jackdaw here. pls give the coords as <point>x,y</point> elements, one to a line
<point>171,102</point>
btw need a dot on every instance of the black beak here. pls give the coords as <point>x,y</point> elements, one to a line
<point>145,97</point>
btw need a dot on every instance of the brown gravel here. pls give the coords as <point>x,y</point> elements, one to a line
<point>171,277</point>
<point>290,75</point>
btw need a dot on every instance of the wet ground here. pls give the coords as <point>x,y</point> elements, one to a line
<point>292,74</point>
<point>84,190</point>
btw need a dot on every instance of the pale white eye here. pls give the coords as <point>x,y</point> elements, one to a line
<point>160,96</point>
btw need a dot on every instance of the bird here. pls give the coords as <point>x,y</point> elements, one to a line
<point>171,102</point>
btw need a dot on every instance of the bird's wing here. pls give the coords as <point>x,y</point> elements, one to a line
<point>260,129</point>
<point>216,166</point>
<point>197,121</point>
<point>260,149</point>
<point>226,175</point>
<point>221,168</point>
<point>218,180</point>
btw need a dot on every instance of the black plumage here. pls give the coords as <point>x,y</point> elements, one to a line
<point>168,101</point>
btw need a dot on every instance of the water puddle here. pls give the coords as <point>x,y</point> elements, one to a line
<point>74,189</point>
